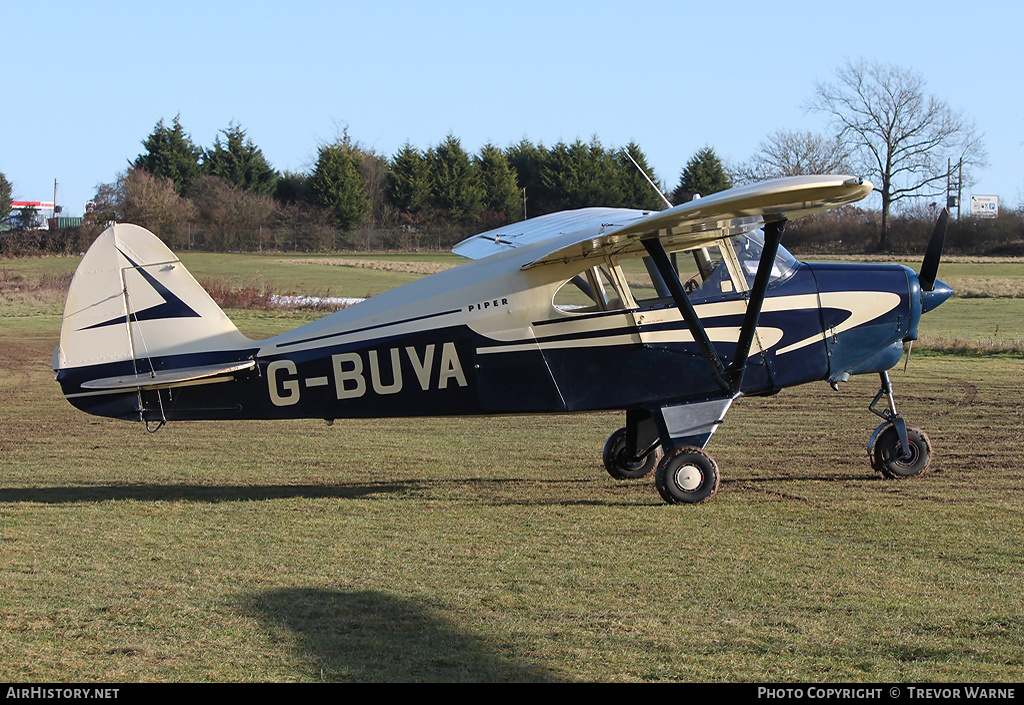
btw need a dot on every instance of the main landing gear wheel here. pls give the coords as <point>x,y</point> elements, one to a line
<point>687,476</point>
<point>617,463</point>
<point>887,453</point>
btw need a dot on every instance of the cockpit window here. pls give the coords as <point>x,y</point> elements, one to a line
<point>703,273</point>
<point>748,249</point>
<point>707,273</point>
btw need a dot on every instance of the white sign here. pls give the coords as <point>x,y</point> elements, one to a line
<point>985,206</point>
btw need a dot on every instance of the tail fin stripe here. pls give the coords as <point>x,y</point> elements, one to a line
<point>173,307</point>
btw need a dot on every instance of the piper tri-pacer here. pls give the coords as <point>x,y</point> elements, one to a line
<point>670,316</point>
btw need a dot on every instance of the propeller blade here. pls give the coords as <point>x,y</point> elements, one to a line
<point>930,266</point>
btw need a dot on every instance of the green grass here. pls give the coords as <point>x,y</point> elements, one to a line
<point>975,324</point>
<point>492,549</point>
<point>284,273</point>
<point>297,272</point>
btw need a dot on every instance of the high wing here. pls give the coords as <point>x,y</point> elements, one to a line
<point>544,227</point>
<point>593,233</point>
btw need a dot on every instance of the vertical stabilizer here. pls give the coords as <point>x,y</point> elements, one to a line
<point>132,301</point>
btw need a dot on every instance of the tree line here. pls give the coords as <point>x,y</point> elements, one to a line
<point>883,125</point>
<point>229,197</point>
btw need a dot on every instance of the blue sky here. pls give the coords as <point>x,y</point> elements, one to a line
<point>87,82</point>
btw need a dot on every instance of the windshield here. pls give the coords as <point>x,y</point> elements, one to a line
<point>748,249</point>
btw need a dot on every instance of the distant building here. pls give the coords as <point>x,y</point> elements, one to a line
<point>34,213</point>
<point>44,215</point>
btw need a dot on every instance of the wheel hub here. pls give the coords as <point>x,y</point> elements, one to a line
<point>688,478</point>
<point>909,459</point>
<point>624,460</point>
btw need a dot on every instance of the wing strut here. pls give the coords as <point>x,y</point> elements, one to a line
<point>772,238</point>
<point>671,279</point>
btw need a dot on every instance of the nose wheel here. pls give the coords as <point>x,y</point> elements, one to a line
<point>888,457</point>
<point>895,449</point>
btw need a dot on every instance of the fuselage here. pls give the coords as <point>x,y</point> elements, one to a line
<point>493,337</point>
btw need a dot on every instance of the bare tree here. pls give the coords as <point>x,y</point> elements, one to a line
<point>235,216</point>
<point>902,138</point>
<point>794,153</point>
<point>153,203</point>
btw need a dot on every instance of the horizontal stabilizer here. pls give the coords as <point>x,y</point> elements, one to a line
<point>166,378</point>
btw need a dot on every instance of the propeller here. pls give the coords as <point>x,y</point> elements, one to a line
<point>933,291</point>
<point>930,266</point>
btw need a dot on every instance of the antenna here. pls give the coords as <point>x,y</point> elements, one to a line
<point>653,185</point>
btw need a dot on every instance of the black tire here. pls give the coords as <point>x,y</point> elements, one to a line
<point>887,453</point>
<point>687,476</point>
<point>618,466</point>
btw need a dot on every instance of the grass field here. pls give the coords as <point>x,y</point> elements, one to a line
<point>497,549</point>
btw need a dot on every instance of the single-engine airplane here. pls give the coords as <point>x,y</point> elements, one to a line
<point>670,316</point>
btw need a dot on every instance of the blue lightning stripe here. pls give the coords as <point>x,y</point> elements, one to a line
<point>172,307</point>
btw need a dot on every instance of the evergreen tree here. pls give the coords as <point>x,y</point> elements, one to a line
<point>240,163</point>
<point>293,187</point>
<point>336,183</point>
<point>638,192</point>
<point>171,154</point>
<point>560,177</point>
<point>408,181</point>
<point>529,162</point>
<point>25,218</point>
<point>454,181</point>
<point>501,192</point>
<point>5,196</point>
<point>582,175</point>
<point>704,174</point>
<point>373,169</point>
<point>605,187</point>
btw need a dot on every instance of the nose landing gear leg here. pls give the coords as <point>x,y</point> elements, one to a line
<point>895,449</point>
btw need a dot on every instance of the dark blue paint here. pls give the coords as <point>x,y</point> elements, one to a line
<point>172,307</point>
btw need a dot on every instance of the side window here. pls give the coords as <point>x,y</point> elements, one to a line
<point>720,271</point>
<point>704,273</point>
<point>589,291</point>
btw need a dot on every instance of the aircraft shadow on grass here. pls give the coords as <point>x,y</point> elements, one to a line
<point>196,493</point>
<point>370,636</point>
<point>495,490</point>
